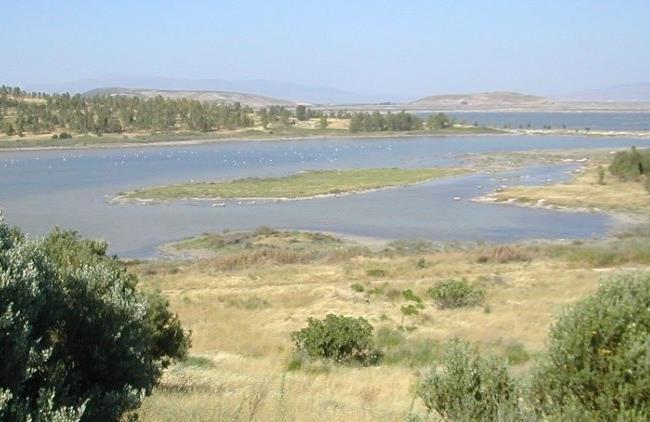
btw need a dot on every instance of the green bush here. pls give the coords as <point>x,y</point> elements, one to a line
<point>357,287</point>
<point>338,338</point>
<point>468,387</point>
<point>409,295</point>
<point>599,356</point>
<point>396,348</point>
<point>516,353</point>
<point>376,272</point>
<point>78,340</point>
<point>456,294</point>
<point>629,165</point>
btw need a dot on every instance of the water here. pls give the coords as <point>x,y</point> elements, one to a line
<point>70,188</point>
<point>556,120</point>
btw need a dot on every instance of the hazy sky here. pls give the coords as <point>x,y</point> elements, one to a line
<point>368,46</point>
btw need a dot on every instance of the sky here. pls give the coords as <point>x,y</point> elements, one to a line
<point>365,46</point>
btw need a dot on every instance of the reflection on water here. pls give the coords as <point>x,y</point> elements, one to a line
<point>70,188</point>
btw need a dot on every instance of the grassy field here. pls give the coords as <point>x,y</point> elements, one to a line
<point>302,185</point>
<point>583,192</point>
<point>243,299</point>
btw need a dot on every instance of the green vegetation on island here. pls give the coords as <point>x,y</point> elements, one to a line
<point>297,186</point>
<point>29,120</point>
<point>632,166</point>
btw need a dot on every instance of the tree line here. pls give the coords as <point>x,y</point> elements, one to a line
<point>21,112</point>
<point>397,122</point>
<point>41,113</point>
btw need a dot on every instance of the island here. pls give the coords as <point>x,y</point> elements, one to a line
<point>304,185</point>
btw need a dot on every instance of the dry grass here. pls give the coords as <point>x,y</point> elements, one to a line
<point>241,320</point>
<point>584,191</point>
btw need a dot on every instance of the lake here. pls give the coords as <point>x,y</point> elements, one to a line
<point>71,188</point>
<point>557,120</point>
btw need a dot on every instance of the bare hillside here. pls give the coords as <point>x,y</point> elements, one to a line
<point>514,101</point>
<point>252,100</point>
<point>483,100</point>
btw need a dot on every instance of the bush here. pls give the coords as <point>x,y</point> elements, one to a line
<point>467,387</point>
<point>599,355</point>
<point>357,287</point>
<point>338,338</point>
<point>376,272</point>
<point>629,165</point>
<point>504,254</point>
<point>456,294</point>
<point>79,342</point>
<point>396,348</point>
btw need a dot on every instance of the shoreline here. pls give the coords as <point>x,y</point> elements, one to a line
<point>191,141</point>
<point>372,135</point>
<point>621,218</point>
<point>122,200</point>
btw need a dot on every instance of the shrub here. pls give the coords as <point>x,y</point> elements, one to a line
<point>629,165</point>
<point>376,272</point>
<point>250,303</point>
<point>647,183</point>
<point>599,355</point>
<point>516,353</point>
<point>456,294</point>
<point>409,295</point>
<point>601,175</point>
<point>79,341</point>
<point>357,287</point>
<point>467,387</point>
<point>338,338</point>
<point>503,254</point>
<point>396,348</point>
<point>410,246</point>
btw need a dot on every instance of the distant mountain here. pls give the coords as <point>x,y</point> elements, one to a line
<point>482,101</point>
<point>209,96</point>
<point>290,91</point>
<point>630,92</point>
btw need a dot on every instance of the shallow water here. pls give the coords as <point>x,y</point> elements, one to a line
<point>70,188</point>
<point>557,120</point>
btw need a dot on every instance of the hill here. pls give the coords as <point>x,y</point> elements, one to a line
<point>514,101</point>
<point>482,101</point>
<point>276,89</point>
<point>204,96</point>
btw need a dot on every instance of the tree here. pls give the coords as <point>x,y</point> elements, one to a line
<point>79,340</point>
<point>599,355</point>
<point>9,129</point>
<point>439,121</point>
<point>323,122</point>
<point>301,112</point>
<point>356,123</point>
